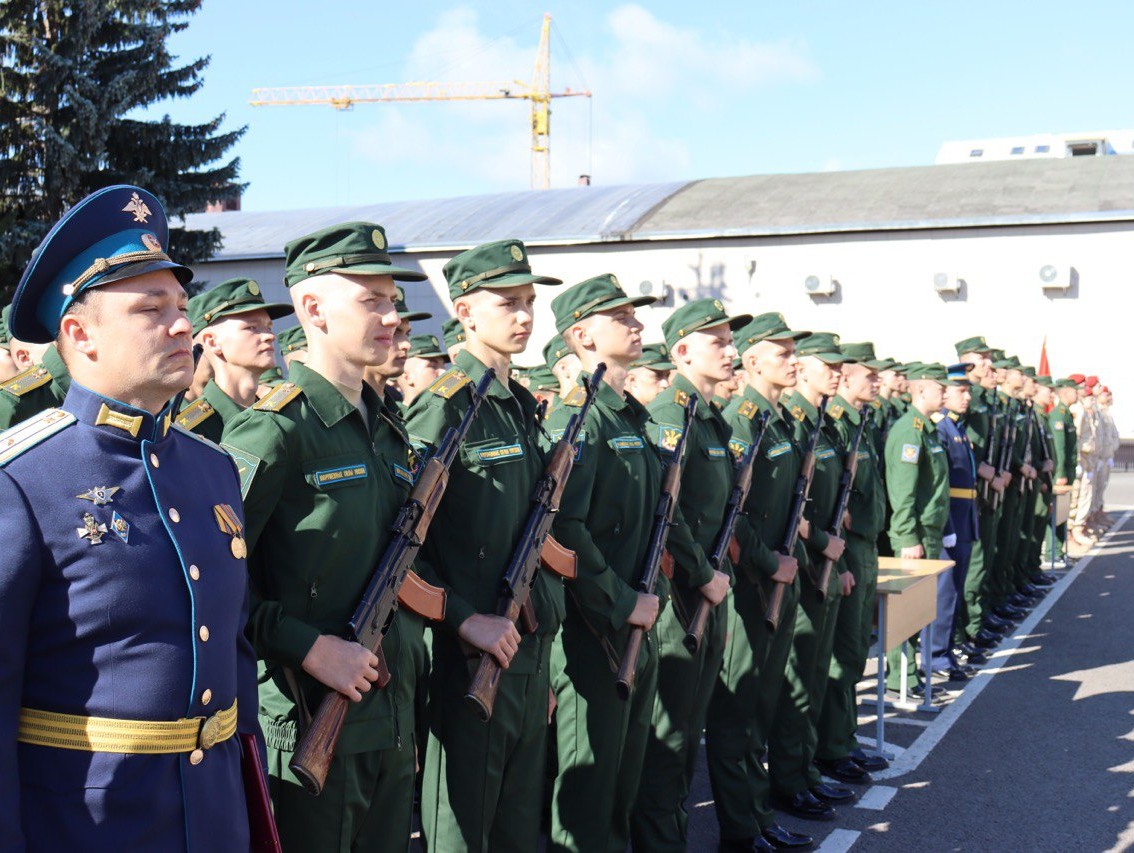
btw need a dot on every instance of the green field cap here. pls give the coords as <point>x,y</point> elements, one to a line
<point>935,372</point>
<point>863,353</point>
<point>292,340</point>
<point>976,344</point>
<point>403,310</point>
<point>352,248</point>
<point>540,378</point>
<point>425,346</point>
<point>1066,383</point>
<point>453,333</point>
<point>1045,381</point>
<point>271,376</point>
<point>492,265</point>
<point>655,357</point>
<point>1028,371</point>
<point>234,296</point>
<point>601,293</point>
<point>697,315</point>
<point>823,346</point>
<point>554,350</point>
<point>765,327</point>
<point>1009,362</point>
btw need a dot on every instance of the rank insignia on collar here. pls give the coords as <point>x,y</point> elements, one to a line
<point>918,423</point>
<point>91,530</point>
<point>680,397</point>
<point>229,523</point>
<point>100,495</point>
<point>120,527</point>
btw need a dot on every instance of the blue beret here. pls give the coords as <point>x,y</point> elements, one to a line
<point>113,234</point>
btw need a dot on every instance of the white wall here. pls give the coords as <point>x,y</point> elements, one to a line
<point>886,290</point>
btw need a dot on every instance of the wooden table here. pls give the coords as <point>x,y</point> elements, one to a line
<point>907,604</point>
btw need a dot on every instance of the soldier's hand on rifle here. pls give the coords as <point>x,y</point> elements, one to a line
<point>834,548</point>
<point>786,573</point>
<point>342,665</point>
<point>913,552</point>
<point>986,471</point>
<point>804,529</point>
<point>847,580</point>
<point>1006,478</point>
<point>492,634</point>
<point>1048,466</point>
<point>1028,471</point>
<point>846,520</point>
<point>716,589</point>
<point>645,612</point>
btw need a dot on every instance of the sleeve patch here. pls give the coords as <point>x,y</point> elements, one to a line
<point>1058,425</point>
<point>668,436</point>
<point>911,453</point>
<point>737,447</point>
<point>246,465</point>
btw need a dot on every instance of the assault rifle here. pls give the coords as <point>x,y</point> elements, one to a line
<point>375,612</point>
<point>846,484</point>
<point>741,485</point>
<point>535,547</point>
<point>1006,448</point>
<point>799,504</point>
<point>663,520</point>
<point>990,447</point>
<point>1025,483</point>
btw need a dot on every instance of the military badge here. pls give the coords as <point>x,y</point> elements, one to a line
<point>91,530</point>
<point>120,527</point>
<point>100,495</point>
<point>668,436</point>
<point>138,208</point>
<point>1058,425</point>
<point>517,253</point>
<point>379,239</point>
<point>918,423</point>
<point>229,523</point>
<point>738,447</point>
<point>910,453</point>
<point>151,242</point>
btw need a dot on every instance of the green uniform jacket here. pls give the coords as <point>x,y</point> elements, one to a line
<point>1061,426</point>
<point>209,413</point>
<point>487,501</point>
<point>828,467</point>
<point>34,390</point>
<point>978,422</point>
<point>607,511</point>
<point>867,505</point>
<point>917,483</point>
<point>706,481</point>
<point>321,490</point>
<point>760,529</point>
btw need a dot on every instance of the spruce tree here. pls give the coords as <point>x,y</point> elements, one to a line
<point>74,78</point>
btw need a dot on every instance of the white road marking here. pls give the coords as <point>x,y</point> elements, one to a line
<point>917,752</point>
<point>876,798</point>
<point>839,841</point>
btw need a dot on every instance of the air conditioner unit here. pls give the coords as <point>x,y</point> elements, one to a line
<point>820,285</point>
<point>662,292</point>
<point>947,283</point>
<point>1055,277</point>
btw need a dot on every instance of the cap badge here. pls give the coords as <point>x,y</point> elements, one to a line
<point>517,254</point>
<point>379,239</point>
<point>151,242</point>
<point>137,207</point>
<point>253,288</point>
<point>718,305</point>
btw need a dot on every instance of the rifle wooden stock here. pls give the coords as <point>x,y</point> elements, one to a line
<point>485,682</point>
<point>316,751</point>
<point>696,629</point>
<point>775,606</point>
<point>628,669</point>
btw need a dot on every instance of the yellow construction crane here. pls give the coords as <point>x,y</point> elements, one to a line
<point>538,93</point>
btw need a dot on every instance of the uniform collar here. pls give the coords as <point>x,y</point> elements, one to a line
<point>114,417</point>
<point>502,389</point>
<point>226,407</point>
<point>606,394</point>
<point>705,408</point>
<point>809,411</point>
<point>327,401</point>
<point>765,405</point>
<point>852,413</point>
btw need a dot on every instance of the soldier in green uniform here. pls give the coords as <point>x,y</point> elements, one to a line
<point>41,386</point>
<point>563,363</point>
<point>324,470</point>
<point>797,786</point>
<point>745,696</point>
<point>699,335</point>
<point>233,324</point>
<point>383,377</point>
<point>650,374</point>
<point>1065,444</point>
<point>917,486</point>
<point>544,386</point>
<point>8,367</point>
<point>605,517</point>
<point>453,334</point>
<point>425,361</point>
<point>1045,502</point>
<point>293,345</point>
<point>838,753</point>
<point>483,782</point>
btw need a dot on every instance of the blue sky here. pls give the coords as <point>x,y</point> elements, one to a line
<point>681,90</point>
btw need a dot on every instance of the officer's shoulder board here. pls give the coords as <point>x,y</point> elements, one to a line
<point>918,424</point>
<point>748,409</point>
<point>25,435</point>
<point>34,377</point>
<point>836,411</point>
<point>576,398</point>
<point>937,417</point>
<point>797,413</point>
<point>876,403</point>
<point>195,413</point>
<point>449,383</point>
<point>278,397</point>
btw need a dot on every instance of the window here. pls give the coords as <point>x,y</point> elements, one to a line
<point>1019,149</point>
<point>976,152</point>
<point>1042,149</point>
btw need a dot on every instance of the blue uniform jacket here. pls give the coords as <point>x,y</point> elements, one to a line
<point>147,624</point>
<point>962,478</point>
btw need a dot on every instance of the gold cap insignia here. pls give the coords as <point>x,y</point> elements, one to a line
<point>253,288</point>
<point>151,242</point>
<point>517,253</point>
<point>379,238</point>
<point>138,208</point>
<point>718,305</point>
<point>614,281</point>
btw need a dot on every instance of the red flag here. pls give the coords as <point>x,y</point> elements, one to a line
<point>1044,368</point>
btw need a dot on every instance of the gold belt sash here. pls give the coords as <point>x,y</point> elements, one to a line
<point>969,494</point>
<point>140,737</point>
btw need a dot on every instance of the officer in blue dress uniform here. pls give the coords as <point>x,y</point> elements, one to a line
<point>124,672</point>
<point>962,519</point>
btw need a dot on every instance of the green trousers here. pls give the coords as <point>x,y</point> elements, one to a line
<point>366,804</point>
<point>742,709</point>
<point>601,739</point>
<point>838,718</point>
<point>974,599</point>
<point>685,685</point>
<point>1008,542</point>
<point>483,782</point>
<point>794,735</point>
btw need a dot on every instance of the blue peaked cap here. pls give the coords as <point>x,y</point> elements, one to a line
<point>113,234</point>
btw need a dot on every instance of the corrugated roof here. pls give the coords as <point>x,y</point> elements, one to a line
<point>578,214</point>
<point>948,196</point>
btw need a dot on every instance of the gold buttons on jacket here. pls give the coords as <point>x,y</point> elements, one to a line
<point>206,697</point>
<point>194,573</point>
<point>154,460</point>
<point>174,515</point>
<point>196,756</point>
<point>204,633</point>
